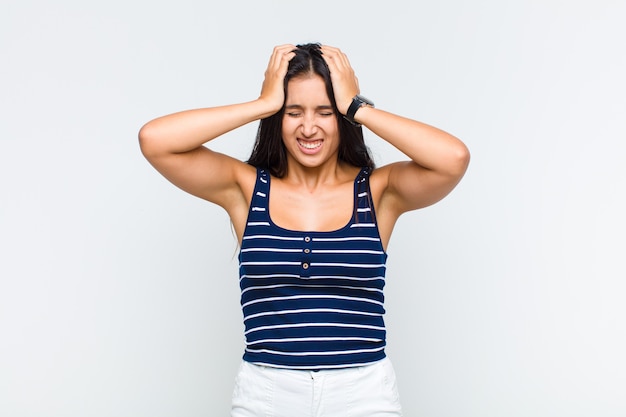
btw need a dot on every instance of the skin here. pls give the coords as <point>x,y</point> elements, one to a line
<point>316,192</point>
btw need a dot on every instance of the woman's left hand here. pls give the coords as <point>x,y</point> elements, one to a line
<point>345,83</point>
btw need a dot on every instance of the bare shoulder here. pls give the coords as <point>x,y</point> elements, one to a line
<point>397,188</point>
<point>237,193</point>
<point>246,179</point>
<point>236,196</point>
<point>405,186</point>
<point>379,181</point>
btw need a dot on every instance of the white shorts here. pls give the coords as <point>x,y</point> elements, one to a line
<point>367,391</point>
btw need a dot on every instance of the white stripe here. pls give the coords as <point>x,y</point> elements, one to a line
<point>345,277</point>
<point>363,194</point>
<point>269,263</point>
<point>293,325</point>
<point>363,210</point>
<point>258,223</point>
<point>314,339</point>
<point>270,250</point>
<point>271,237</point>
<point>344,239</point>
<point>346,287</point>
<point>270,276</point>
<point>260,194</point>
<point>363,225</point>
<point>347,265</point>
<point>304,297</point>
<point>374,252</point>
<point>258,208</point>
<point>311,310</point>
<point>336,352</point>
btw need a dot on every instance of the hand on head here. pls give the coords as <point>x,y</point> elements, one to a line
<point>273,88</point>
<point>345,83</point>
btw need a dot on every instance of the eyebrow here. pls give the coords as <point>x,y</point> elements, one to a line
<point>298,106</point>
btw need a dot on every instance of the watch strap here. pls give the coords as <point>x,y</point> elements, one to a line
<point>357,102</point>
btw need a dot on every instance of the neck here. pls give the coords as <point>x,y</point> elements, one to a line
<point>312,178</point>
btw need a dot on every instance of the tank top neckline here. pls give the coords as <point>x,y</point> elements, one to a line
<point>351,221</point>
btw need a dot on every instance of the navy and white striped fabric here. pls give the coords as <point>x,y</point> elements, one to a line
<point>312,300</point>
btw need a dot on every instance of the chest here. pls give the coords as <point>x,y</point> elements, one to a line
<point>325,209</point>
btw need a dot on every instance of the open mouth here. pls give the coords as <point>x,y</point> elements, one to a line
<point>310,145</point>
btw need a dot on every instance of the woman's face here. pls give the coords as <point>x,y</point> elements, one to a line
<point>310,131</point>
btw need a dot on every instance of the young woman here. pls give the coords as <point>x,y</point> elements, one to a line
<point>313,218</point>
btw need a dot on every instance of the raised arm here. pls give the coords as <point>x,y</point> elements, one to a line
<point>173,144</point>
<point>438,160</point>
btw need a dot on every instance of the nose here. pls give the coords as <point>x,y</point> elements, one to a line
<point>309,125</point>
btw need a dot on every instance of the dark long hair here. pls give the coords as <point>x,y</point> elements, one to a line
<point>269,150</point>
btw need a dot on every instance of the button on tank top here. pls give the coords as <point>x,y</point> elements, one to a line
<point>312,300</point>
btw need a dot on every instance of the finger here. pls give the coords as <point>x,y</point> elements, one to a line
<point>335,55</point>
<point>339,66</point>
<point>335,65</point>
<point>280,54</point>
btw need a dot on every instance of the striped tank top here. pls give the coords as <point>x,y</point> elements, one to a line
<point>312,300</point>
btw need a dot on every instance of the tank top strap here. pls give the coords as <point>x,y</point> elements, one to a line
<point>259,213</point>
<point>363,198</point>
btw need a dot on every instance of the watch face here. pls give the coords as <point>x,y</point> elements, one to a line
<point>364,100</point>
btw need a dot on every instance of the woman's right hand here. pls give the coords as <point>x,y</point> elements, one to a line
<point>273,90</point>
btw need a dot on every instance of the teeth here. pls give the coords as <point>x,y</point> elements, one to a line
<point>310,145</point>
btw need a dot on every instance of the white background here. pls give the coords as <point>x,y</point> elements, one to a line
<point>119,293</point>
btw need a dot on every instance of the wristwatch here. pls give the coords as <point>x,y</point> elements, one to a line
<point>357,102</point>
